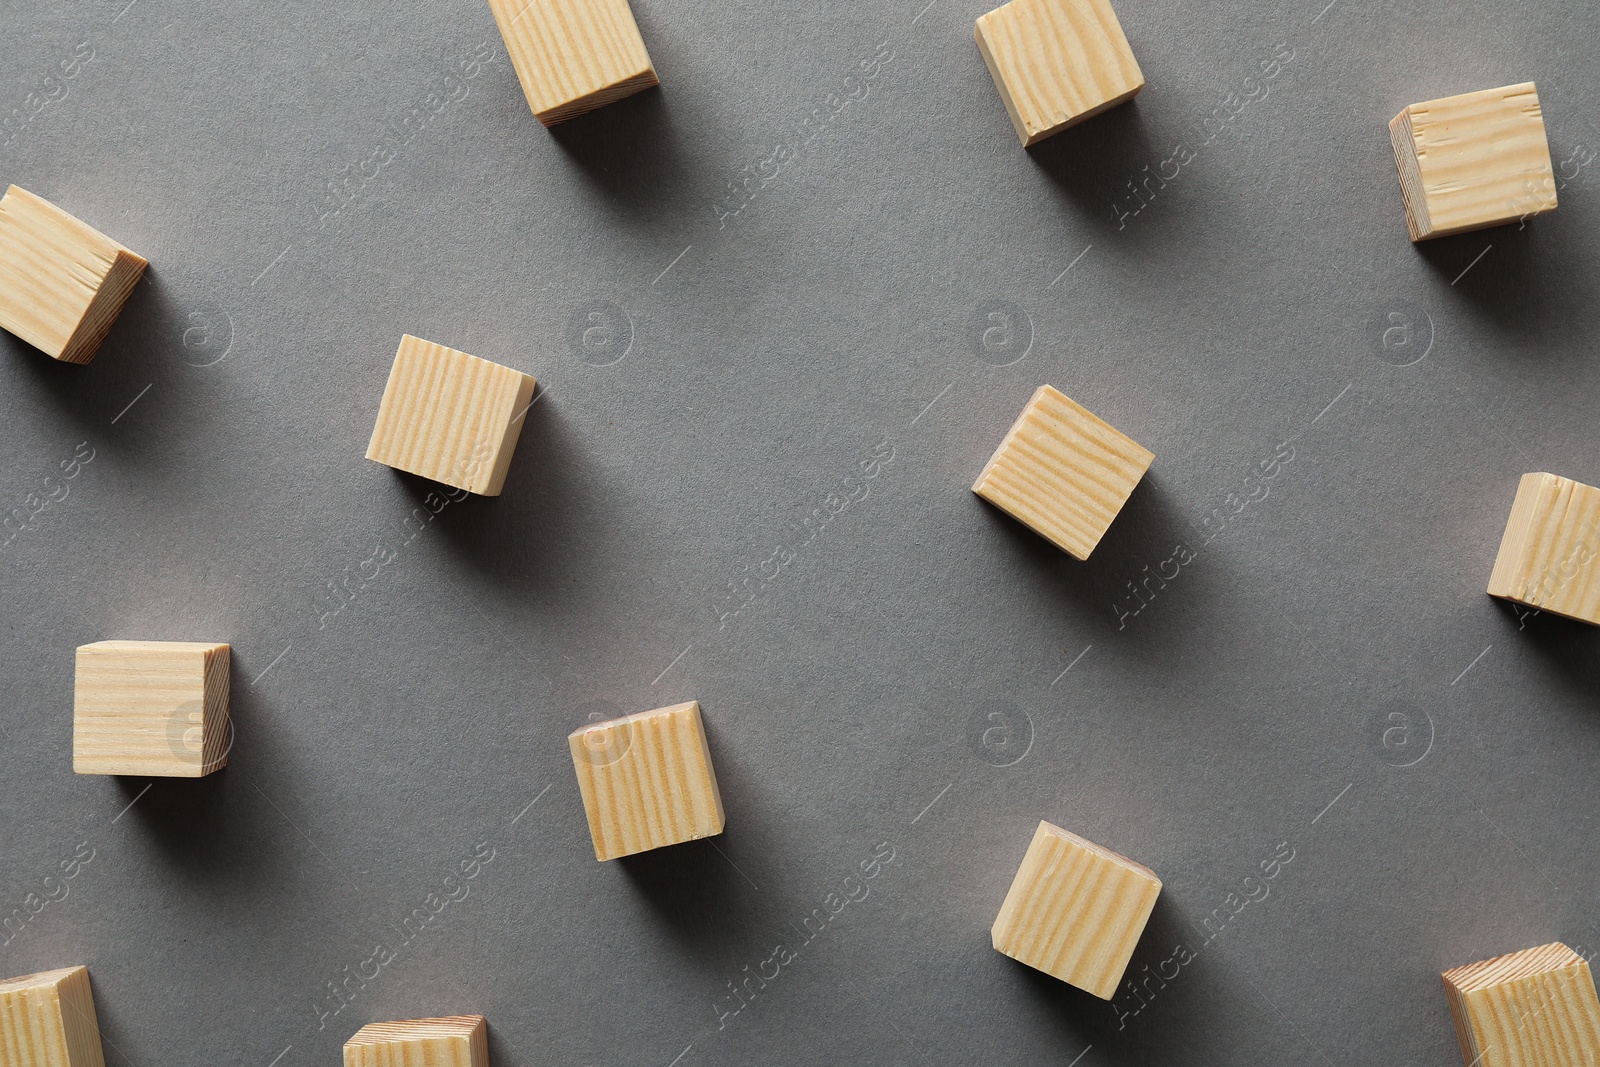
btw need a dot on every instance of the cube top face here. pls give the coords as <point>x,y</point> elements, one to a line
<point>1474,160</point>
<point>43,981</point>
<point>451,1041</point>
<point>1075,911</point>
<point>62,282</point>
<point>154,708</point>
<point>1057,62</point>
<point>1550,555</point>
<point>48,1020</point>
<point>1063,472</point>
<point>647,781</point>
<point>450,417</point>
<point>573,56</point>
<point>1527,1009</point>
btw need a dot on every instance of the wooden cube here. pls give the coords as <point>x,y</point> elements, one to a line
<point>151,708</point>
<point>1534,1008</point>
<point>573,56</point>
<point>62,282</point>
<point>647,781</point>
<point>1075,911</point>
<point>1547,557</point>
<point>1474,160</point>
<point>452,1041</point>
<point>1062,472</point>
<point>1057,62</point>
<point>48,1020</point>
<point>451,417</point>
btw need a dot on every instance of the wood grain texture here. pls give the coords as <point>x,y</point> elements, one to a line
<point>1534,1008</point>
<point>62,282</point>
<point>1474,160</point>
<point>647,781</point>
<point>573,56</point>
<point>1057,62</point>
<point>151,708</point>
<point>1062,472</point>
<point>1075,910</point>
<point>451,417</point>
<point>1550,554</point>
<point>48,1020</point>
<point>450,1041</point>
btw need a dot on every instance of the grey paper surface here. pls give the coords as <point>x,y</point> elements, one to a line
<point>781,311</point>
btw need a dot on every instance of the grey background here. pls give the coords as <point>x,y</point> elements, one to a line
<point>901,679</point>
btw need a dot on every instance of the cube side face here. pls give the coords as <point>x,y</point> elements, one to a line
<point>1405,161</point>
<point>49,1018</point>
<point>1063,472</point>
<point>103,310</point>
<point>1482,159</point>
<point>452,1041</point>
<point>1526,1009</point>
<point>150,708</point>
<point>455,1051</point>
<point>1549,556</point>
<point>78,1019</point>
<point>450,416</point>
<point>572,56</point>
<point>647,781</point>
<point>506,447</point>
<point>1075,911</point>
<point>216,670</point>
<point>52,271</point>
<point>1057,62</point>
<point>1462,1022</point>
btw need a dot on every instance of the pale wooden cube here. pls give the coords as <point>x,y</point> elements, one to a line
<point>451,1041</point>
<point>1075,911</point>
<point>48,1020</point>
<point>151,708</point>
<point>647,781</point>
<point>1062,472</point>
<point>573,56</point>
<point>1547,557</point>
<point>450,417</point>
<point>62,282</point>
<point>1534,1008</point>
<point>1057,62</point>
<point>1474,160</point>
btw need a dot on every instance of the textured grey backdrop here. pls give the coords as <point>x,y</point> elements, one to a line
<point>781,310</point>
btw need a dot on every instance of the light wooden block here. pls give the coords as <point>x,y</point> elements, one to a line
<point>1057,62</point>
<point>1075,911</point>
<point>151,708</point>
<point>1474,160</point>
<point>573,56</point>
<point>452,1041</point>
<point>1547,557</point>
<point>647,781</point>
<point>1534,1008</point>
<point>451,417</point>
<point>1062,472</point>
<point>48,1020</point>
<point>62,282</point>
